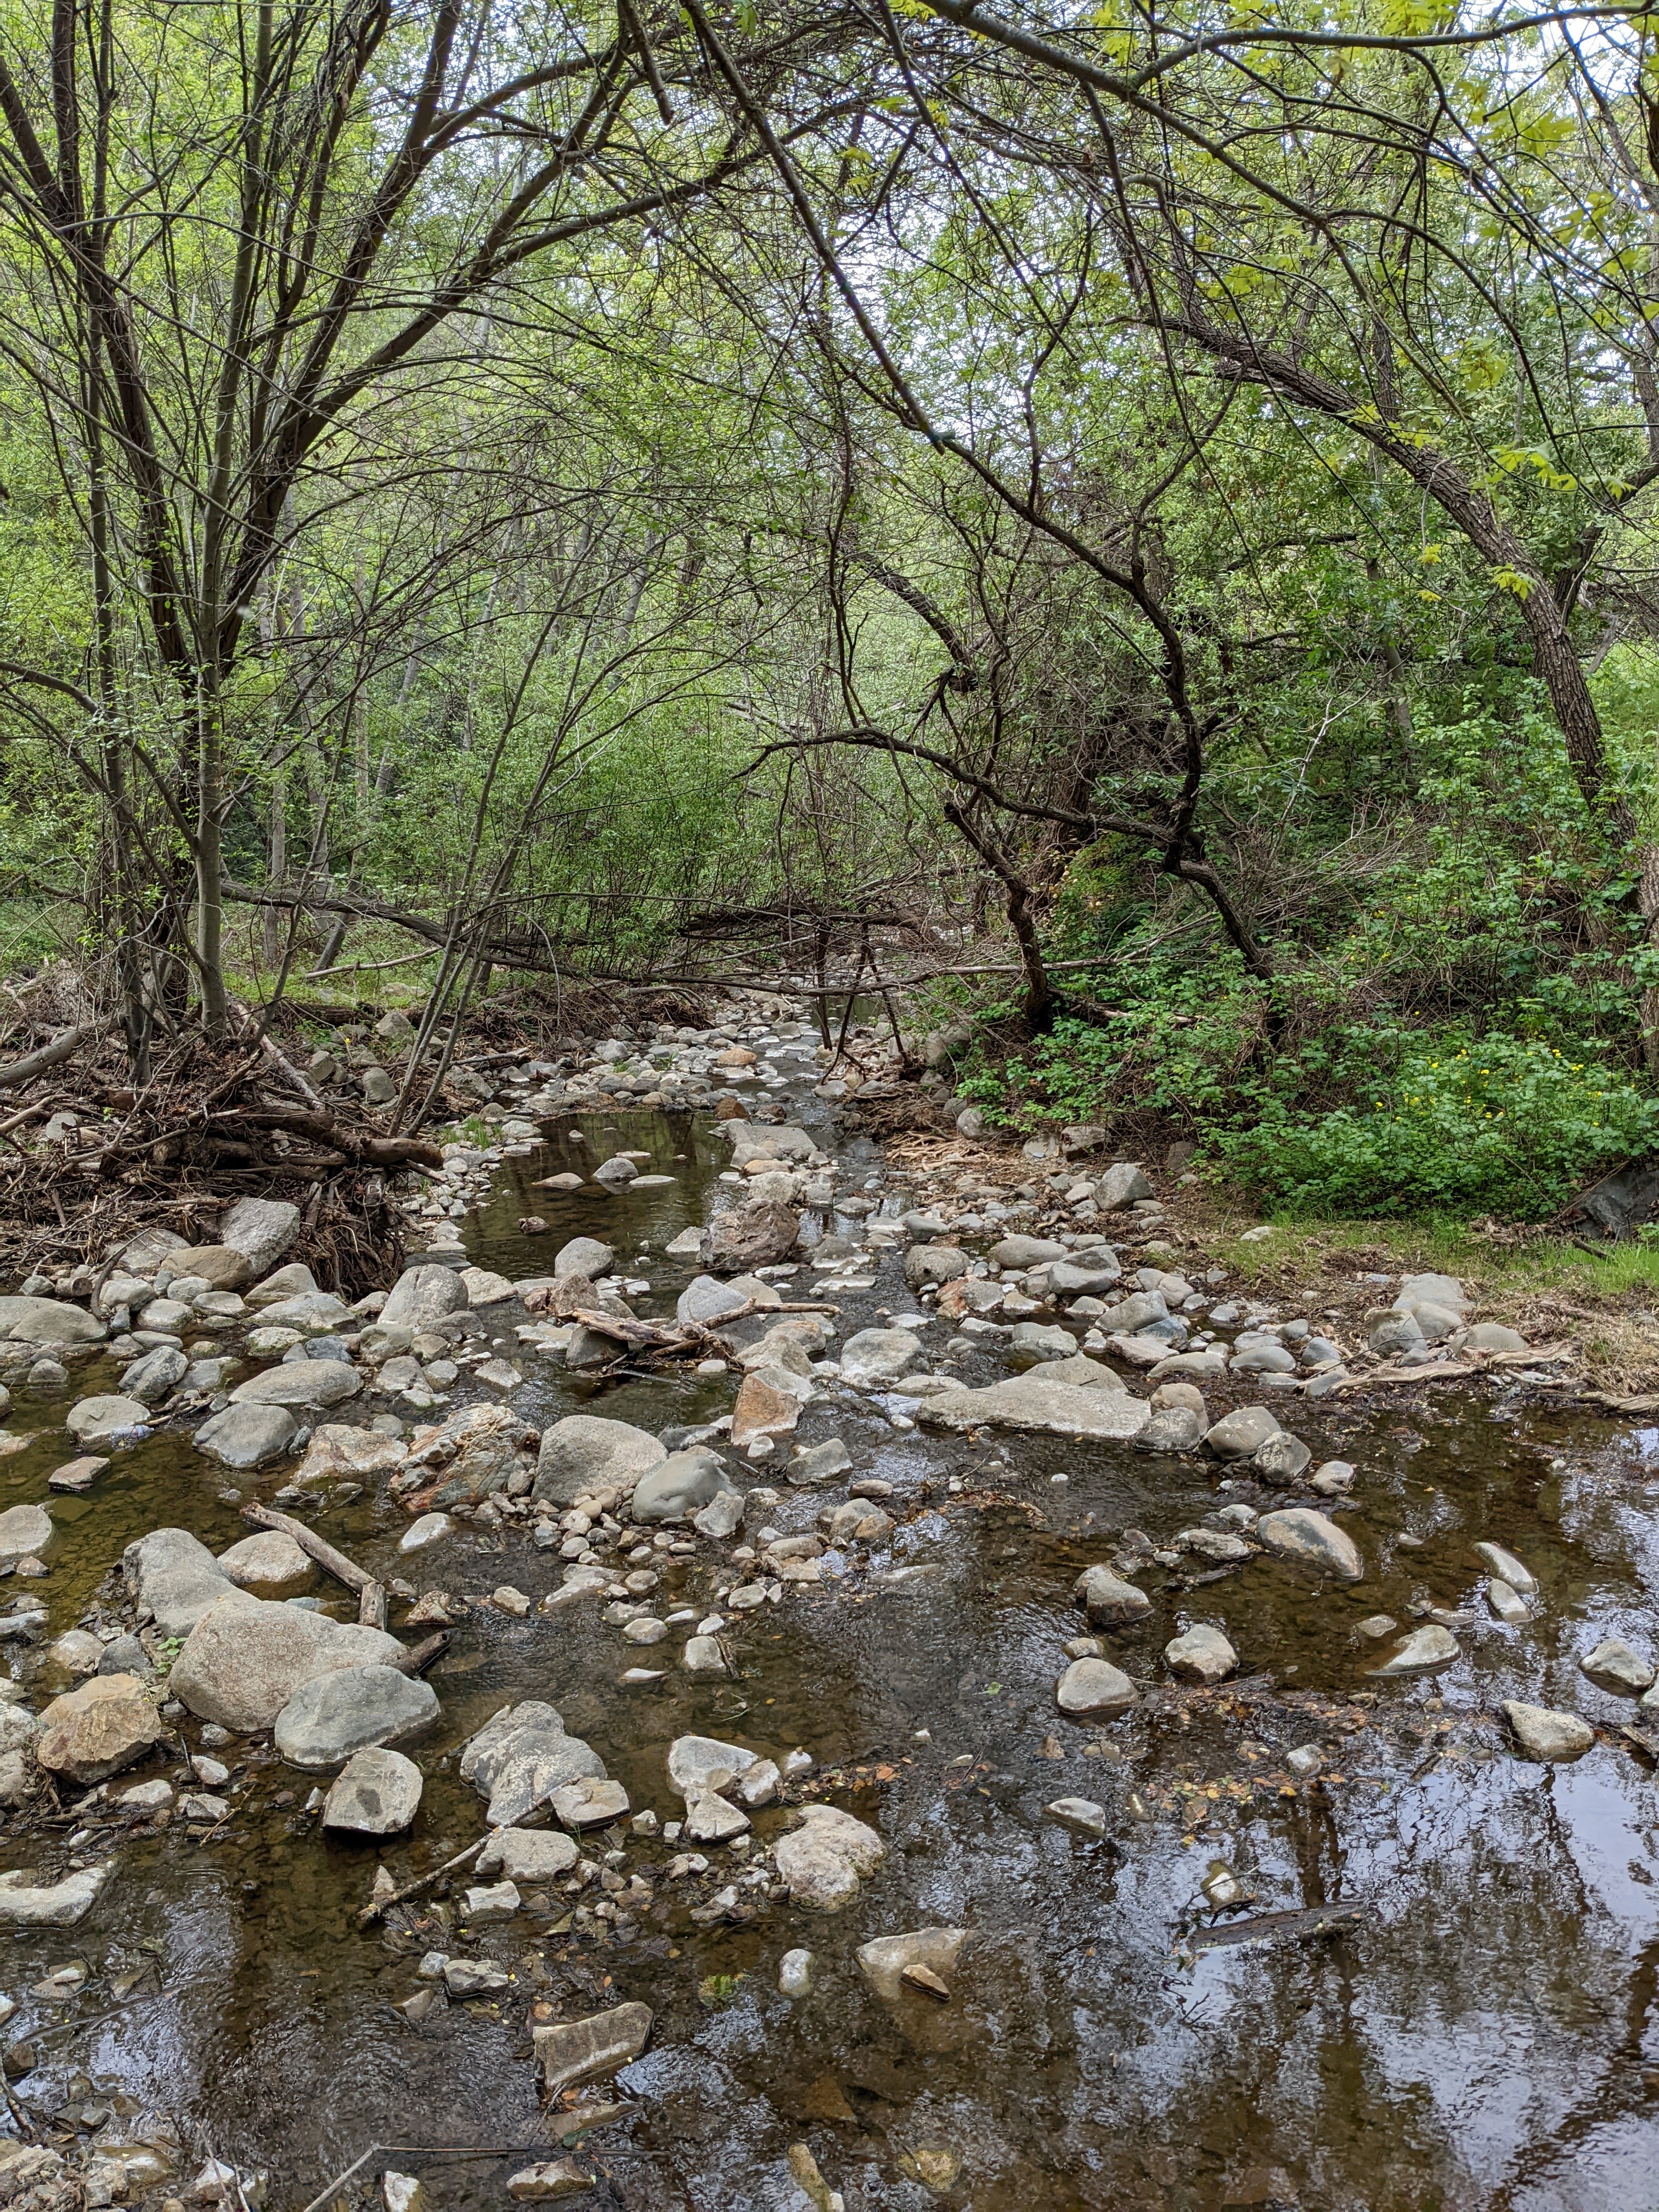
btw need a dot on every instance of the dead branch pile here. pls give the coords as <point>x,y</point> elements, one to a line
<point>85,1155</point>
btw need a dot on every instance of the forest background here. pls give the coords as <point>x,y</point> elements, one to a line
<point>1133,528</point>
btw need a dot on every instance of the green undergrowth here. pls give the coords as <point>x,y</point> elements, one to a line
<point>1309,1112</point>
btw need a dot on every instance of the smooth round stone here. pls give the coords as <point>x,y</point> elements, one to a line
<point>1506,1601</point>
<point>308,1383</point>
<point>796,1974</point>
<point>1081,1813</point>
<point>267,1560</point>
<point>645,1628</point>
<point>426,1530</point>
<point>1092,1686</point>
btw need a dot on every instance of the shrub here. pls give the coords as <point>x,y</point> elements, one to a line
<point>1502,1125</point>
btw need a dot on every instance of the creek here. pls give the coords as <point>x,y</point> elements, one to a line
<point>1487,2033</point>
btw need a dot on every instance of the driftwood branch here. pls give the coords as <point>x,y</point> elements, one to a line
<point>50,1055</point>
<point>372,1912</point>
<point>314,1546</point>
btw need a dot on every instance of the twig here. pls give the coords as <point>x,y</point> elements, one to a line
<point>372,1910</point>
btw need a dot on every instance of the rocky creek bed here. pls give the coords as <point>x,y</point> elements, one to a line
<point>945,1701</point>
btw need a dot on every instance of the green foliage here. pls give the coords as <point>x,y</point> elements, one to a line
<point>1495,1125</point>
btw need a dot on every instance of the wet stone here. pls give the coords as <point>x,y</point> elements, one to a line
<point>1309,1540</point>
<point>339,1714</point>
<point>1202,1655</point>
<point>1107,1599</point>
<point>576,2051</point>
<point>377,1793</point>
<point>1507,1568</point>
<point>1424,1651</point>
<point>1613,1665</point>
<point>1091,1687</point>
<point>1080,1814</point>
<point>1506,1601</point>
<point>1544,1734</point>
<point>824,1859</point>
<point>245,1437</point>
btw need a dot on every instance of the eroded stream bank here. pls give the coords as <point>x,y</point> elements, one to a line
<point>1478,2031</point>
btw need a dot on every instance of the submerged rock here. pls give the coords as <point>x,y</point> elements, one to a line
<point>1424,1650</point>
<point>884,1961</point>
<point>25,1533</point>
<point>824,1859</point>
<point>377,1793</point>
<point>1307,1538</point>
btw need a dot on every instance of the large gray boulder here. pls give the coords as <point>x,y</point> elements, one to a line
<point>247,1657</point>
<point>261,1229</point>
<point>174,1577</point>
<point>679,1483</point>
<point>1031,1402</point>
<point>1122,1184</point>
<point>880,1355</point>
<point>376,1794</point>
<point>334,1716</point>
<point>47,1321</point>
<point>244,1437</point>
<point>585,1452</point>
<point>423,1295</point>
<point>311,1385</point>
<point>702,1765</point>
<point>1543,1733</point>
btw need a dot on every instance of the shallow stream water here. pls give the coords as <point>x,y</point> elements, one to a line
<point>1486,2034</point>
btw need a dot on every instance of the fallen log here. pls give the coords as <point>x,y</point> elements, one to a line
<point>420,1656</point>
<point>50,1055</point>
<point>371,1606</point>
